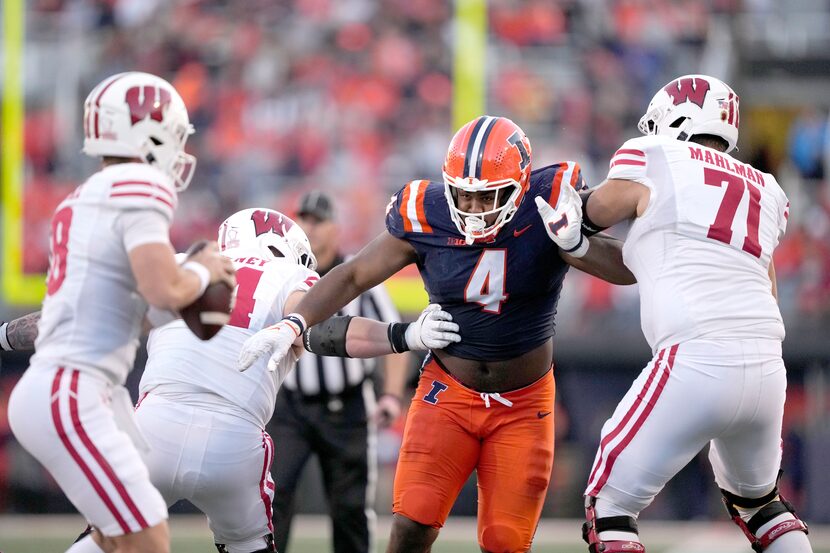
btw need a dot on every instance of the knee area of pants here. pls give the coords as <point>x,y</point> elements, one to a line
<point>503,539</point>
<point>421,508</point>
<point>538,483</point>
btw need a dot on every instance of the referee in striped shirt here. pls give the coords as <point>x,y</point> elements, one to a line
<point>326,406</point>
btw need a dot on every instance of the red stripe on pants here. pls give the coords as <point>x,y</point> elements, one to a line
<point>105,466</point>
<point>96,485</point>
<point>268,445</point>
<point>612,457</point>
<point>613,434</point>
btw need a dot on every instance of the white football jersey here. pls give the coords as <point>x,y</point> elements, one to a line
<point>92,314</point>
<point>205,373</point>
<point>702,248</point>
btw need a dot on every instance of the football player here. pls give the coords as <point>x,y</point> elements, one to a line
<point>205,420</point>
<point>704,228</point>
<point>110,257</point>
<point>486,256</point>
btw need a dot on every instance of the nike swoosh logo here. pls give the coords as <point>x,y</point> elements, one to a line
<point>519,232</point>
<point>542,414</point>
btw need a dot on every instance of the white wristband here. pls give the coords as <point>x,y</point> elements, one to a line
<point>201,271</point>
<point>4,338</point>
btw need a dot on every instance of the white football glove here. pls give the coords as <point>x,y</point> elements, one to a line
<point>564,223</point>
<point>434,329</point>
<point>275,340</point>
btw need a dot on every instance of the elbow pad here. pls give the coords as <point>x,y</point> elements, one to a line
<point>328,338</point>
<point>589,228</point>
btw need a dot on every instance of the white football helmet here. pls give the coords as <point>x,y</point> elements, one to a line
<point>140,115</point>
<point>691,105</point>
<point>268,232</point>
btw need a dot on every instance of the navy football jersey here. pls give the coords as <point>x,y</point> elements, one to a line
<point>503,292</point>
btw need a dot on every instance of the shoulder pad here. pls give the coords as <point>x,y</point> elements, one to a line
<point>549,180</point>
<point>140,186</point>
<point>632,152</point>
<point>406,212</point>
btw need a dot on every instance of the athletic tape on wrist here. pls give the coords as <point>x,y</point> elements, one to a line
<point>201,271</point>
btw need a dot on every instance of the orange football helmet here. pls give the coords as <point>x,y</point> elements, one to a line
<point>487,154</point>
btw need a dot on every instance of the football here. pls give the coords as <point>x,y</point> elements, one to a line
<point>206,316</point>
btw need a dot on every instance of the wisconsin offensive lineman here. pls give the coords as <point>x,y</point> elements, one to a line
<point>704,228</point>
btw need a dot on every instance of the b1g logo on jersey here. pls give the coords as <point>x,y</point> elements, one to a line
<point>145,101</point>
<point>688,90</point>
<point>269,222</point>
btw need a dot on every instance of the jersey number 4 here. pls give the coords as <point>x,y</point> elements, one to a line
<point>721,229</point>
<point>486,285</point>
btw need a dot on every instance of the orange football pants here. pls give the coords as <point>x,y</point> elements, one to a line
<point>507,438</point>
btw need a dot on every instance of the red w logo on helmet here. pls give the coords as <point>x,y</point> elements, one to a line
<point>147,100</point>
<point>688,90</point>
<point>269,222</point>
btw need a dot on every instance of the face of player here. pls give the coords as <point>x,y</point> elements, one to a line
<point>478,202</point>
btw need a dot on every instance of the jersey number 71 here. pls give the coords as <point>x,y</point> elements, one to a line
<point>721,229</point>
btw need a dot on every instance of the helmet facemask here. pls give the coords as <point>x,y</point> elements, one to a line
<point>488,154</point>
<point>473,226</point>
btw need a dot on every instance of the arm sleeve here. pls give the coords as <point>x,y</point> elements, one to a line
<point>630,163</point>
<point>143,226</point>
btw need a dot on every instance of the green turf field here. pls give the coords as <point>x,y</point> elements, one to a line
<point>53,534</point>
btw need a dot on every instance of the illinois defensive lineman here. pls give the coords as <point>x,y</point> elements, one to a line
<point>486,402</point>
<point>111,256</point>
<point>205,420</point>
<point>704,229</point>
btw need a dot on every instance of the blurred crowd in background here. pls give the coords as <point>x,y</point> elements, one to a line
<point>354,97</point>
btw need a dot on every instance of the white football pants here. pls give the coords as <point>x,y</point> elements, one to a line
<point>78,425</point>
<point>729,394</point>
<point>217,461</point>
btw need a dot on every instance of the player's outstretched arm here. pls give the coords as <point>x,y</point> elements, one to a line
<point>167,285</point>
<point>380,259</point>
<point>19,334</point>
<point>433,329</point>
<point>603,260</point>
